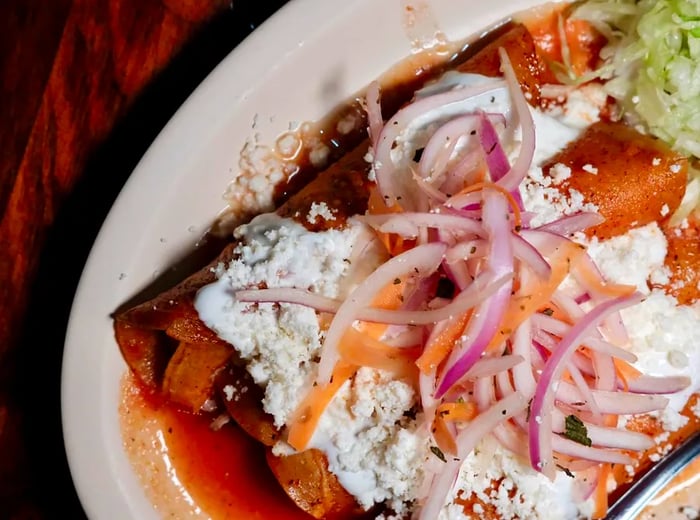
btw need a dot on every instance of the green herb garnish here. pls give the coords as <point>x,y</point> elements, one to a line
<point>576,430</point>
<point>566,471</point>
<point>438,453</point>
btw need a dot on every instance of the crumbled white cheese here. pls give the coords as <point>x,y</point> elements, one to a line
<point>347,124</point>
<point>696,408</point>
<point>583,105</point>
<point>631,258</point>
<point>261,168</point>
<point>590,169</point>
<point>319,209</point>
<point>372,174</point>
<point>319,155</point>
<point>559,172</point>
<point>278,341</point>
<point>665,210</point>
<point>658,327</point>
<point>289,144</point>
<point>548,204</point>
<point>540,198</point>
<point>522,493</point>
<point>229,392</point>
<point>362,432</point>
<point>663,334</point>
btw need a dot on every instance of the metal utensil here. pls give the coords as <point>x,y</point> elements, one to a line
<point>631,503</point>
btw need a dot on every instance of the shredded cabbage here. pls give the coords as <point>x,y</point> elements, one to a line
<point>652,64</point>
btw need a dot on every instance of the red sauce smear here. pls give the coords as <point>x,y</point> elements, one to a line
<point>224,472</point>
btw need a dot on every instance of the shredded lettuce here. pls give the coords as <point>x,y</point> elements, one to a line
<point>652,64</point>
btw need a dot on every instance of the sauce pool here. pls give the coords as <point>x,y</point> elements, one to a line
<point>190,471</point>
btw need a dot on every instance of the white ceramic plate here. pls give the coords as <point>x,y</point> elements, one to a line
<point>280,74</point>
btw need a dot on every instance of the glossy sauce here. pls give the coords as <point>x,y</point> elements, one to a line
<point>191,471</point>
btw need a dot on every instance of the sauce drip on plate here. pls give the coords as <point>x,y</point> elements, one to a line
<point>190,471</point>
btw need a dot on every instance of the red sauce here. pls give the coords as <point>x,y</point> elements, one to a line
<point>224,472</point>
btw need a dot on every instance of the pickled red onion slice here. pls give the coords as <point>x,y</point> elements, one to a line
<point>394,182</point>
<point>495,156</point>
<point>374,112</point>
<point>420,261</point>
<point>540,424</point>
<point>518,170</point>
<point>467,440</point>
<point>488,315</point>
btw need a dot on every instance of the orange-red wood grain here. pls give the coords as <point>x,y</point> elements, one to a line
<point>70,70</point>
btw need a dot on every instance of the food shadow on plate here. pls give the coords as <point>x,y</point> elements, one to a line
<point>39,477</point>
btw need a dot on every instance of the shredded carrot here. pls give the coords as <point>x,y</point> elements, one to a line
<point>390,298</point>
<point>607,289</point>
<point>356,349</point>
<point>463,411</point>
<point>376,205</point>
<point>477,174</point>
<point>393,243</point>
<point>308,413</point>
<point>438,348</point>
<point>555,312</point>
<point>359,349</point>
<point>511,200</point>
<point>600,495</point>
<point>566,376</point>
<point>442,436</point>
<point>625,372</point>
<point>539,294</point>
<point>610,420</point>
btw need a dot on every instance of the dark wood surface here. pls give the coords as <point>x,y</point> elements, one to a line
<point>86,85</point>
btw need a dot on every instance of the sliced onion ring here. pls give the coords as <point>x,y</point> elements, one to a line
<point>422,261</point>
<point>540,420</point>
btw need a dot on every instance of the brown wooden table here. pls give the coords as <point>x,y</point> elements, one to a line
<point>85,87</point>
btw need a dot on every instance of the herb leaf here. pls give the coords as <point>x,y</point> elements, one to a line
<point>438,453</point>
<point>529,410</point>
<point>566,471</point>
<point>576,430</point>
